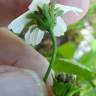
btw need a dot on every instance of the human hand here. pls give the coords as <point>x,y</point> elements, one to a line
<point>15,58</point>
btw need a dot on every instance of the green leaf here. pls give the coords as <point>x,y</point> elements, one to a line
<point>68,66</point>
<point>93,46</point>
<point>65,89</point>
<point>67,50</point>
<point>61,89</point>
<point>73,91</point>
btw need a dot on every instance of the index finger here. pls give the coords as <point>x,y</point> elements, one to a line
<point>70,17</point>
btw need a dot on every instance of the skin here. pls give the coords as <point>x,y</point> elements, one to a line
<point>20,82</point>
<point>82,4</point>
<point>14,52</point>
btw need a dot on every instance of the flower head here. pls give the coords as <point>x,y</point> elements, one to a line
<point>40,18</point>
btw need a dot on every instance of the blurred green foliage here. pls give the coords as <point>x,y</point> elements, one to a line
<point>70,48</point>
<point>69,66</point>
<point>86,66</point>
<point>89,58</point>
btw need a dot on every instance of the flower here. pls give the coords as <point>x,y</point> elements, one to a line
<point>35,36</point>
<point>35,3</point>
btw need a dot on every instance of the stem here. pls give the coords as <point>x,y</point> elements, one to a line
<point>92,84</point>
<point>54,46</point>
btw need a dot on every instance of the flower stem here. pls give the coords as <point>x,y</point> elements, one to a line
<point>54,46</point>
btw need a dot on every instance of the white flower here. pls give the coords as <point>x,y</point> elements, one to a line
<point>67,9</point>
<point>33,6</point>
<point>35,36</point>
<point>19,23</point>
<point>60,27</point>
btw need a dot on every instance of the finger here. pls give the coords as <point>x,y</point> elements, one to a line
<point>11,9</point>
<point>13,51</point>
<point>71,17</point>
<point>20,83</point>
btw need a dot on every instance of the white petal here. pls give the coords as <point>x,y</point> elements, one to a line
<point>27,37</point>
<point>60,27</point>
<point>35,3</point>
<point>19,23</point>
<point>34,37</point>
<point>67,9</point>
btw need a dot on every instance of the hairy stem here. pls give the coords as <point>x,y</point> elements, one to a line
<point>54,46</point>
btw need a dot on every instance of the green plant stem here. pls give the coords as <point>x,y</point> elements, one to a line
<point>92,84</point>
<point>54,46</point>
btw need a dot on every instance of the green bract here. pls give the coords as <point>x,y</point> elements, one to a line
<point>44,18</point>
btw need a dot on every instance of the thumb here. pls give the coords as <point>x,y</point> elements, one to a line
<point>18,82</point>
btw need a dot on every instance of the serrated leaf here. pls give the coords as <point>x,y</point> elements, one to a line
<point>68,66</point>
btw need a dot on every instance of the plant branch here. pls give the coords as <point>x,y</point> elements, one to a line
<point>54,46</point>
